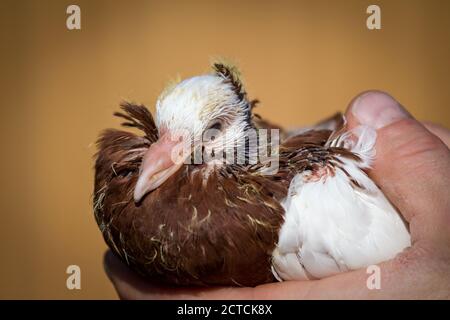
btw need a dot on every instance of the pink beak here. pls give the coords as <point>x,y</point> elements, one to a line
<point>161,160</point>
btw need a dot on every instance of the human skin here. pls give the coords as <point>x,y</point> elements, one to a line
<point>412,167</point>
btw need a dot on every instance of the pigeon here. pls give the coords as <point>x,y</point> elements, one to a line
<point>208,193</point>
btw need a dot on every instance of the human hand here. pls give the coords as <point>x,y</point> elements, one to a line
<point>412,167</point>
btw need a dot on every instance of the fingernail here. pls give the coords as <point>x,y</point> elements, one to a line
<point>377,109</point>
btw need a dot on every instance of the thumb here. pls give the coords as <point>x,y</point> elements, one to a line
<point>412,166</point>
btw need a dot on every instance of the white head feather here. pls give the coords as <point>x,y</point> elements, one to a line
<point>196,105</point>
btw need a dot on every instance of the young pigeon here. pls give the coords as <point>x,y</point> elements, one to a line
<point>290,207</point>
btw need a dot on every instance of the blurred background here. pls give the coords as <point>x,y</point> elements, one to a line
<point>303,59</point>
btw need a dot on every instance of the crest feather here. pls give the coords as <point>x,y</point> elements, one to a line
<point>139,117</point>
<point>232,74</point>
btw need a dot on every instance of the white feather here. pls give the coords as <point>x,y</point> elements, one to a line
<point>187,109</point>
<point>331,226</point>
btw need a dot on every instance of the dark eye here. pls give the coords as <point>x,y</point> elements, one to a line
<point>213,131</point>
<point>124,172</point>
<point>216,126</point>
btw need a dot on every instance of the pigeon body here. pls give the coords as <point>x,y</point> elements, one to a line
<point>227,223</point>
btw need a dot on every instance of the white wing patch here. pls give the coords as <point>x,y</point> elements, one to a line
<point>332,226</point>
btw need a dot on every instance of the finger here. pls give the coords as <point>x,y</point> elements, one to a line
<point>411,165</point>
<point>396,279</point>
<point>439,131</point>
<point>131,286</point>
<point>351,285</point>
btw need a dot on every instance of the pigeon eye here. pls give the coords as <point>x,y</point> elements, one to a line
<point>125,173</point>
<point>213,131</point>
<point>216,126</point>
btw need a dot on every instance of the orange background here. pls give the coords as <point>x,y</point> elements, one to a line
<point>303,59</point>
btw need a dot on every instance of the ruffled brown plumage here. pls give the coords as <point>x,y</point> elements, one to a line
<point>189,231</point>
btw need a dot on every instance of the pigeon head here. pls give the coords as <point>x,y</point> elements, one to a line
<point>199,120</point>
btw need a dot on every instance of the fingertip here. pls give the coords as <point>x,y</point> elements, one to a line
<point>376,109</point>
